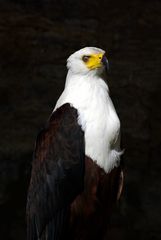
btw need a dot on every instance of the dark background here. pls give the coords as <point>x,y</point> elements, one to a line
<point>36,37</point>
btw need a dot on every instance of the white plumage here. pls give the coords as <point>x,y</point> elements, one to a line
<point>87,91</point>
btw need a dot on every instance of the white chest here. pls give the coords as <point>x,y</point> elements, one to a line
<point>98,119</point>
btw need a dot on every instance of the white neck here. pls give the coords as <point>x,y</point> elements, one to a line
<point>97,117</point>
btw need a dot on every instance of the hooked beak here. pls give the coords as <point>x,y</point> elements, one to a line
<point>105,63</point>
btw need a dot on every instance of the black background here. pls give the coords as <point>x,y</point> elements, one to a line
<point>36,37</point>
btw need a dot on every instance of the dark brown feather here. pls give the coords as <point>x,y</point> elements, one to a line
<point>91,210</point>
<point>57,175</point>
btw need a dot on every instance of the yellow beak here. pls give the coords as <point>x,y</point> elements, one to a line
<point>95,61</point>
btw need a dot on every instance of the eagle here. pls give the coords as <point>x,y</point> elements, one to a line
<point>77,175</point>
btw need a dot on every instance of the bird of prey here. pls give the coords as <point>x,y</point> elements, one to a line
<point>76,170</point>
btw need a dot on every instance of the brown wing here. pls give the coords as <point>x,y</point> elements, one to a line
<point>57,175</point>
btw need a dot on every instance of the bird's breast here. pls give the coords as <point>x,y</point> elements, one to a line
<point>97,117</point>
<point>102,127</point>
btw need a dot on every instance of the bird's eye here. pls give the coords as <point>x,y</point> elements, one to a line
<point>85,58</point>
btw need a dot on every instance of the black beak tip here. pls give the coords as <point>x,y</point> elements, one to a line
<point>105,63</point>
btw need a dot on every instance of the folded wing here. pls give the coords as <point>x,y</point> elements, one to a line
<point>57,175</point>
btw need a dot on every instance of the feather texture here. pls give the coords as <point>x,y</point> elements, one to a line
<point>57,175</point>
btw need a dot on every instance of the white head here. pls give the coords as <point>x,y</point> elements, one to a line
<point>87,60</point>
